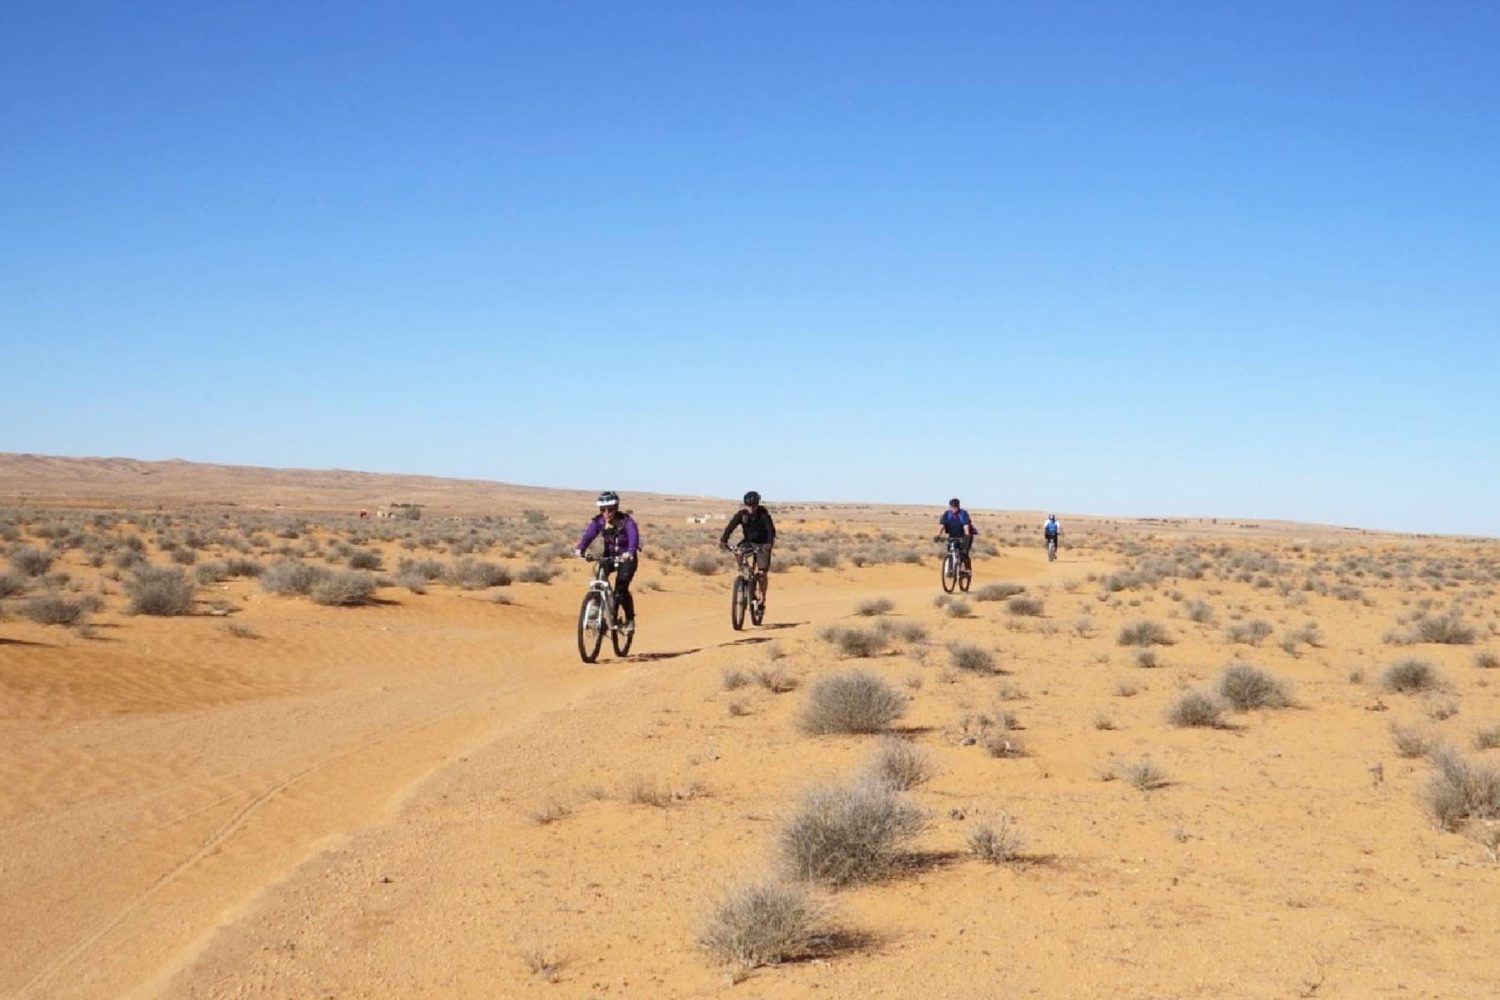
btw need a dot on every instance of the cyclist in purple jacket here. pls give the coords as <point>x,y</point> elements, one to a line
<point>622,543</point>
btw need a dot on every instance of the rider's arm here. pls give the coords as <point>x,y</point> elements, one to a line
<point>969,524</point>
<point>632,537</point>
<point>734,522</point>
<point>770,528</point>
<point>589,534</point>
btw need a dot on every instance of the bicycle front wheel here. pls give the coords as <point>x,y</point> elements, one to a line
<point>621,638</point>
<point>591,626</point>
<point>1052,551</point>
<point>758,606</point>
<point>738,602</point>
<point>965,575</point>
<point>950,573</point>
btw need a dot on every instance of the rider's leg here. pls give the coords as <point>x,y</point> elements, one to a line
<point>964,546</point>
<point>623,575</point>
<point>763,570</point>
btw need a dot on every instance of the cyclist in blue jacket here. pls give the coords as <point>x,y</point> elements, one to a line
<point>956,523</point>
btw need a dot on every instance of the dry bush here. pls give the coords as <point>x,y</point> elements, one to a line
<point>704,564</point>
<point>734,678</point>
<point>53,610</point>
<point>1411,743</point>
<point>1144,633</point>
<point>344,589</point>
<point>900,764</point>
<point>29,561</point>
<point>971,658</point>
<point>476,574</point>
<point>427,569</point>
<point>1447,629</point>
<point>1025,606</point>
<point>958,609</point>
<point>1460,790</point>
<point>159,590</point>
<point>1142,774</point>
<point>855,702</point>
<point>1246,686</point>
<point>844,835</point>
<point>860,643</point>
<point>291,576</point>
<point>538,572</point>
<point>1487,737</point>
<point>1146,659</point>
<point>364,559</point>
<point>875,606</point>
<point>1486,660</point>
<point>824,559</point>
<point>1195,709</point>
<point>997,591</point>
<point>774,679</point>
<point>1198,611</point>
<point>11,584</point>
<point>1409,676</point>
<point>1250,633</point>
<point>550,812</point>
<point>910,632</point>
<point>996,841</point>
<point>763,924</point>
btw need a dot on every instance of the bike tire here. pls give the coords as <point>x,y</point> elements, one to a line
<point>1052,551</point>
<point>758,607</point>
<point>620,638</point>
<point>739,600</point>
<point>950,574</point>
<point>965,576</point>
<point>591,626</point>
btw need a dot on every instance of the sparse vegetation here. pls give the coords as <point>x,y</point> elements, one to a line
<point>875,606</point>
<point>344,589</point>
<point>1245,686</point>
<point>900,764</point>
<point>1026,606</point>
<point>855,702</point>
<point>996,841</point>
<point>1409,676</point>
<point>1460,790</point>
<point>997,591</point>
<point>53,610</point>
<point>762,924</point>
<point>861,643</point>
<point>1144,633</point>
<point>843,835</point>
<point>1194,709</point>
<point>159,590</point>
<point>971,658</point>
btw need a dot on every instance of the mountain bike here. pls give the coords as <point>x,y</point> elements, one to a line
<point>747,593</point>
<point>1052,548</point>
<point>600,613</point>
<point>957,570</point>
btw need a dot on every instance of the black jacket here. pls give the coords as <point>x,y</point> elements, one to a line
<point>759,529</point>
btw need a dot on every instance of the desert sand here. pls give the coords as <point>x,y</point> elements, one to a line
<point>428,794</point>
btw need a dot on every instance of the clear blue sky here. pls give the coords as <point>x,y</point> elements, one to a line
<point>1233,259</point>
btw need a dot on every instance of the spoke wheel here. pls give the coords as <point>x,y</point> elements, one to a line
<point>950,573</point>
<point>738,602</point>
<point>591,626</point>
<point>620,638</point>
<point>965,575</point>
<point>758,608</point>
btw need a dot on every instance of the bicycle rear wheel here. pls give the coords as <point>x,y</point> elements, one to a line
<point>965,575</point>
<point>758,605</point>
<point>620,638</point>
<point>738,602</point>
<point>591,626</point>
<point>950,573</point>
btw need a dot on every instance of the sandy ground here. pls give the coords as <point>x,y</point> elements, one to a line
<point>432,796</point>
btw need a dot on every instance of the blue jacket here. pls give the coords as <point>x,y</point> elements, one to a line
<point>955,521</point>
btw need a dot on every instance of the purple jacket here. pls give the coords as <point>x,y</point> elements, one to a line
<point>622,539</point>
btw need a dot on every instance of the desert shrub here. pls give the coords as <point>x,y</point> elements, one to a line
<point>958,609</point>
<point>1194,709</point>
<point>1146,659</point>
<point>212,571</point>
<point>704,564</point>
<point>996,841</point>
<point>1409,676</point>
<point>1144,633</point>
<point>344,589</point>
<point>538,572</point>
<point>291,576</point>
<point>1411,742</point>
<point>364,559</point>
<point>242,567</point>
<point>762,924</point>
<point>184,557</point>
<point>855,702</point>
<point>1444,629</point>
<point>1198,611</point>
<point>998,591</point>
<point>1142,774</point>
<point>856,642</point>
<point>1460,790</point>
<point>29,561</point>
<point>972,658</point>
<point>427,569</point>
<point>476,574</point>
<point>910,632</point>
<point>875,606</point>
<point>824,559</point>
<point>1246,686</point>
<point>734,678</point>
<point>1028,606</point>
<point>1251,632</point>
<point>900,764</point>
<point>1487,737</point>
<point>11,584</point>
<point>160,590</point>
<point>846,835</point>
<point>1486,660</point>
<point>53,610</point>
<point>774,679</point>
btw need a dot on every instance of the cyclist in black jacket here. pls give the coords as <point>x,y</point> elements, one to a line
<point>757,529</point>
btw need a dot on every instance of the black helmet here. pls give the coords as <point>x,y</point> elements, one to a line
<point>752,498</point>
<point>610,499</point>
<point>954,503</point>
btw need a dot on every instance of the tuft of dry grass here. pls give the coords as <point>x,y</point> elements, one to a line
<point>1245,686</point>
<point>1144,633</point>
<point>160,590</point>
<point>855,702</point>
<point>762,924</point>
<point>1196,710</point>
<point>996,841</point>
<point>900,764</point>
<point>844,835</point>
<point>1409,676</point>
<point>875,606</point>
<point>1460,790</point>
